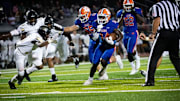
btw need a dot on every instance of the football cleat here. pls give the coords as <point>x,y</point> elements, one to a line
<point>26,76</point>
<point>148,84</point>
<point>54,78</point>
<point>11,85</point>
<point>119,61</point>
<point>76,62</point>
<point>143,73</point>
<point>134,71</point>
<point>104,77</point>
<point>88,82</point>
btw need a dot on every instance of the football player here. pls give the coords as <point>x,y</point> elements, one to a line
<point>25,47</point>
<point>30,26</point>
<point>128,16</point>
<point>105,28</point>
<point>84,21</point>
<point>56,32</point>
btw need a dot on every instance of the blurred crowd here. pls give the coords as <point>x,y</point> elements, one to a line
<point>12,12</point>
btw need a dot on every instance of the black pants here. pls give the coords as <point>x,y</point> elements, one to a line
<point>165,41</point>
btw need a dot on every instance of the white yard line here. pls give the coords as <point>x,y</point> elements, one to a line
<point>85,92</point>
<point>7,71</point>
<point>84,73</point>
<point>92,88</point>
<point>13,97</point>
<point>112,79</point>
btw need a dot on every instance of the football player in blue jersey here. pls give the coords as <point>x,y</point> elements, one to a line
<point>129,16</point>
<point>84,22</point>
<point>108,34</point>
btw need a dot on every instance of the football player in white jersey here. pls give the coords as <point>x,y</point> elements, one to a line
<point>25,47</point>
<point>31,25</point>
<point>56,32</point>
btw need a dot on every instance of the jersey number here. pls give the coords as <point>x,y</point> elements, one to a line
<point>129,21</point>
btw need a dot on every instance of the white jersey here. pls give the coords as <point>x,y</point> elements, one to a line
<point>29,29</point>
<point>29,43</point>
<point>56,34</point>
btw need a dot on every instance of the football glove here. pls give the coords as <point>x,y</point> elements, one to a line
<point>99,27</point>
<point>95,36</point>
<point>109,40</point>
<point>14,32</point>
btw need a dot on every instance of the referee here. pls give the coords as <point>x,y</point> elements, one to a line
<point>166,22</point>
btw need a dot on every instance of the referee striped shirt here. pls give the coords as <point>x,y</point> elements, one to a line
<point>168,13</point>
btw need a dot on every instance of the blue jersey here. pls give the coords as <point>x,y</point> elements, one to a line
<point>129,20</point>
<point>87,26</point>
<point>107,28</point>
<point>104,50</point>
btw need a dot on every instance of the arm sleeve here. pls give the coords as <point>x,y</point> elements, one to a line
<point>138,11</point>
<point>155,11</point>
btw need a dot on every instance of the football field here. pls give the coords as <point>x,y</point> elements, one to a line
<point>120,87</point>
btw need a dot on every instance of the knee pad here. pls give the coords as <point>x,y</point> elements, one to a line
<point>21,73</point>
<point>131,57</point>
<point>104,63</point>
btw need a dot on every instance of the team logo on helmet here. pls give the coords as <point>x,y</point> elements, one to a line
<point>128,5</point>
<point>84,14</point>
<point>103,16</point>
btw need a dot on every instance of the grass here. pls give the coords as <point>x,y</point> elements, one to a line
<point>120,86</point>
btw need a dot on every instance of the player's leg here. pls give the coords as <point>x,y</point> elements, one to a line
<point>91,50</point>
<point>20,63</point>
<point>132,54</point>
<point>95,63</point>
<point>104,62</point>
<point>118,60</point>
<point>51,50</point>
<point>52,69</point>
<point>37,64</point>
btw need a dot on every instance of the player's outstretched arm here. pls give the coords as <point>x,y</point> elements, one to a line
<point>10,34</point>
<point>71,28</point>
<point>5,36</point>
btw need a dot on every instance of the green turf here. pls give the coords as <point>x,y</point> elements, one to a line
<point>120,87</point>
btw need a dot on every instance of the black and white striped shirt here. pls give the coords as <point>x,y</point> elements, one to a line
<point>168,13</point>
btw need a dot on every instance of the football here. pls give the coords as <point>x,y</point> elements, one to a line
<point>113,35</point>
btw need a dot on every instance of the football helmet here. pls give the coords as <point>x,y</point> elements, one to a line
<point>128,5</point>
<point>84,14</point>
<point>44,32</point>
<point>103,16</point>
<point>31,17</point>
<point>49,21</point>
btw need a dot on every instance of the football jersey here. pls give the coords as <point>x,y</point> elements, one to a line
<point>87,26</point>
<point>29,43</point>
<point>29,29</point>
<point>56,31</point>
<point>107,29</point>
<point>129,20</point>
